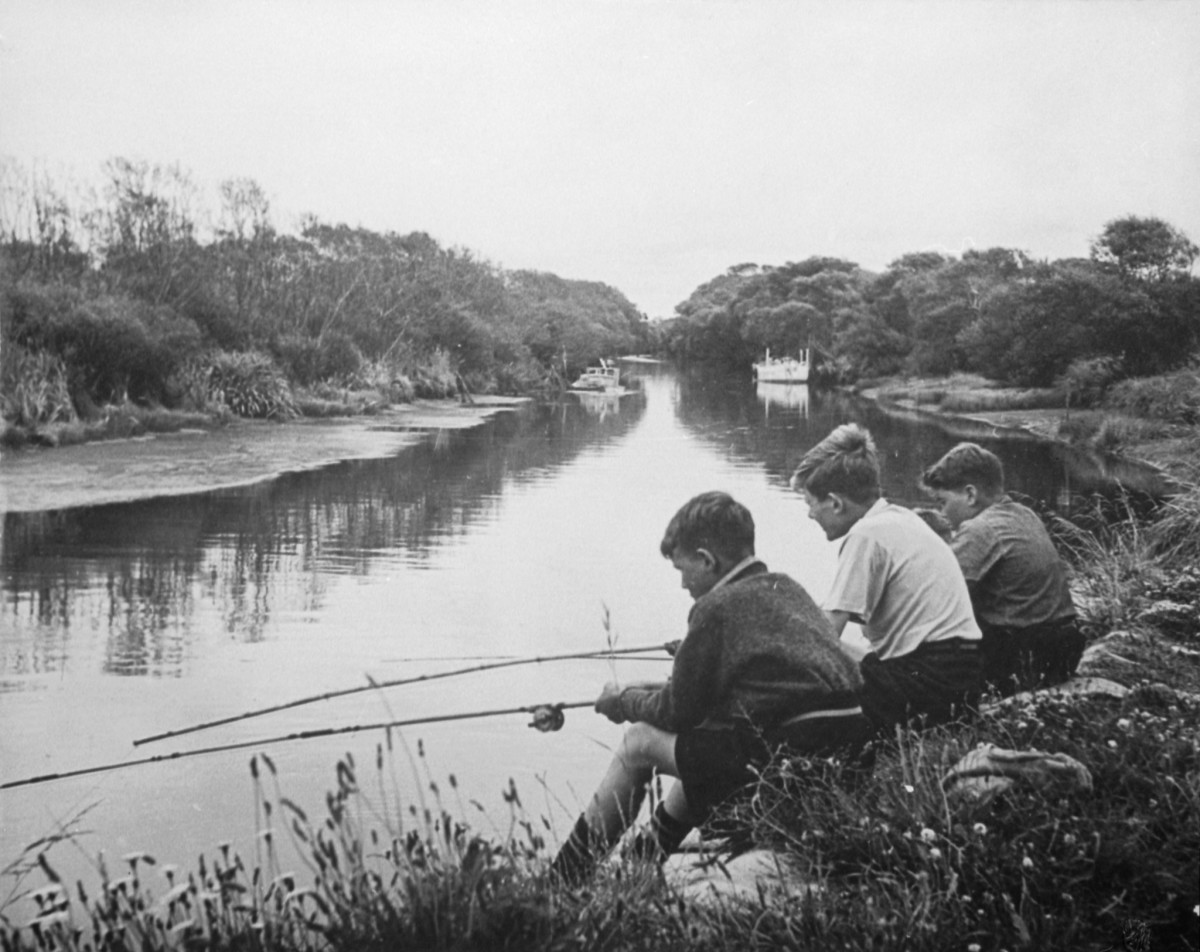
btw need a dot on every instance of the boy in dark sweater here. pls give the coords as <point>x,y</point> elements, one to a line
<point>1017,581</point>
<point>759,667</point>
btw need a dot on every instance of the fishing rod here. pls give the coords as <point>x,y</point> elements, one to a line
<point>373,685</point>
<point>546,717</point>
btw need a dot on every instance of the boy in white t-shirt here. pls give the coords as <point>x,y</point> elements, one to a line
<point>897,579</point>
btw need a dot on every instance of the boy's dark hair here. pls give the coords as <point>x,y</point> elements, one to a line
<point>937,522</point>
<point>845,462</point>
<point>713,521</point>
<point>967,464</point>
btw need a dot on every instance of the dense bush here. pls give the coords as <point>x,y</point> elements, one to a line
<point>33,387</point>
<point>1173,397</point>
<point>308,360</point>
<point>251,386</point>
<point>113,347</point>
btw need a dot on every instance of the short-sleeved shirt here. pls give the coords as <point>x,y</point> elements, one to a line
<point>1017,576</point>
<point>901,582</point>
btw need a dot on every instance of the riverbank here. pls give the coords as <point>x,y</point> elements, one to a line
<point>1171,447</point>
<point>239,452</point>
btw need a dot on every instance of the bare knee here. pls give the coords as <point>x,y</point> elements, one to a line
<point>644,746</point>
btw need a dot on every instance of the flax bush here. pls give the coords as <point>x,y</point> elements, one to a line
<point>33,387</point>
<point>251,386</point>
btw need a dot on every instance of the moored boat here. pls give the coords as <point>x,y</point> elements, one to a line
<point>605,377</point>
<point>782,369</point>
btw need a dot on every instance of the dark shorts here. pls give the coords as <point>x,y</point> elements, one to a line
<point>936,683</point>
<point>715,764</point>
<point>1021,659</point>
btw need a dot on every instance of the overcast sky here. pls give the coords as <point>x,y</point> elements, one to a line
<point>644,143</point>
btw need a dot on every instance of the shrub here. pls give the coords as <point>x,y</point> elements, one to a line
<point>309,360</point>
<point>33,387</point>
<point>113,347</point>
<point>385,377</point>
<point>1079,427</point>
<point>519,377</point>
<point>1173,397</point>
<point>1086,380</point>
<point>434,376</point>
<point>251,386</point>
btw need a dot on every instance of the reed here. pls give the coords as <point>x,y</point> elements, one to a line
<point>33,387</point>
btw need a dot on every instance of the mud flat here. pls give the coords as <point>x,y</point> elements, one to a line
<point>243,453</point>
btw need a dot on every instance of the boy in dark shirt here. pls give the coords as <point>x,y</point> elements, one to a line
<point>1017,581</point>
<point>759,667</point>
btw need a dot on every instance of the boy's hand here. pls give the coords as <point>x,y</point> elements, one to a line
<point>672,646</point>
<point>609,702</point>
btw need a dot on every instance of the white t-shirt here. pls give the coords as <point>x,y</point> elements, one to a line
<point>901,582</point>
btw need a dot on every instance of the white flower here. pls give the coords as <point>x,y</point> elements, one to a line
<point>980,829</point>
<point>935,853</point>
<point>1123,723</point>
<point>1112,744</point>
<point>927,835</point>
<point>908,788</point>
<point>1027,863</point>
<point>974,947</point>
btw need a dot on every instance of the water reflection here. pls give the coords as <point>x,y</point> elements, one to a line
<point>778,426</point>
<point>140,575</point>
<point>788,396</point>
<point>603,404</point>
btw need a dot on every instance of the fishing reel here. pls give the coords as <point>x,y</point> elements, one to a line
<point>547,718</point>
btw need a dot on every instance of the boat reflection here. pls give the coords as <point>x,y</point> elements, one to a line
<point>789,396</point>
<point>604,403</point>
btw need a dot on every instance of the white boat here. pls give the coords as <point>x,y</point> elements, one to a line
<point>603,378</point>
<point>782,369</point>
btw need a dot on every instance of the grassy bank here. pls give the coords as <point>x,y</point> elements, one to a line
<point>1151,418</point>
<point>894,860</point>
<point>39,410</point>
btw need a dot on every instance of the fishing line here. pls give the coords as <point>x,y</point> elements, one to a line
<point>416,679</point>
<point>547,717</point>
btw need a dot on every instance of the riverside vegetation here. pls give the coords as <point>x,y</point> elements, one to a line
<point>134,307</point>
<point>883,861</point>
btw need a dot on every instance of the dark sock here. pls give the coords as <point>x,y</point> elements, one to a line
<point>578,856</point>
<point>668,832</point>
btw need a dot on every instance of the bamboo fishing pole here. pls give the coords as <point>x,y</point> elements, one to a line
<point>547,717</point>
<point>373,685</point>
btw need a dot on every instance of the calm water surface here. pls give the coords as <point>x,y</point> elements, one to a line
<point>519,538</point>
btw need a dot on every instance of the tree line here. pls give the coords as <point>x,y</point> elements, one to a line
<point>119,288</point>
<point>1131,308</point>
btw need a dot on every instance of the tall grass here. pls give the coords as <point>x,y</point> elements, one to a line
<point>251,386</point>
<point>1173,397</point>
<point>986,401</point>
<point>898,861</point>
<point>33,387</point>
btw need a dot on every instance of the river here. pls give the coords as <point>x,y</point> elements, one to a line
<point>534,534</point>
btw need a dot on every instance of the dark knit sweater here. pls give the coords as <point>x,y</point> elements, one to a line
<point>757,648</point>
